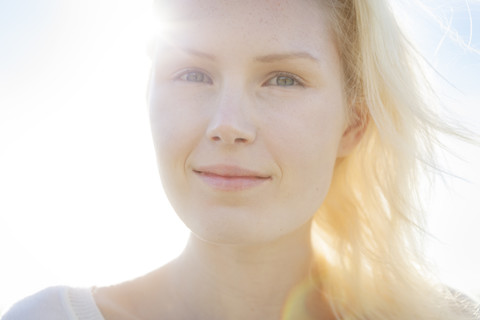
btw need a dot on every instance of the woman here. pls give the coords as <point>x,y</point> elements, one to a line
<point>289,137</point>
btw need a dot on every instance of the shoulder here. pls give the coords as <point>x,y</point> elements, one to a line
<point>46,304</point>
<point>147,297</point>
<point>55,303</point>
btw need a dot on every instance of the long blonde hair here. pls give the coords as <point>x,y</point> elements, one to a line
<point>368,232</point>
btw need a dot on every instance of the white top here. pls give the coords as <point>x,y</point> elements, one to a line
<point>65,303</point>
<point>56,303</point>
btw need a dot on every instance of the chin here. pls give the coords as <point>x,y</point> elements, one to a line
<point>242,233</point>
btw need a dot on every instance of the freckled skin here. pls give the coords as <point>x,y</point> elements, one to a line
<point>256,85</point>
<point>297,131</point>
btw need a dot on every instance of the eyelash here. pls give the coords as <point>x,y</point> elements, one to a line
<point>204,78</point>
<point>183,76</point>
<point>297,81</point>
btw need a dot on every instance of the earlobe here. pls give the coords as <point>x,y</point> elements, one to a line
<point>352,136</point>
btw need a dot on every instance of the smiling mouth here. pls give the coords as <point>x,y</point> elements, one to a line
<point>230,178</point>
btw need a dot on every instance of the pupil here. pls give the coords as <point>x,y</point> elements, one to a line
<point>195,76</point>
<point>284,81</point>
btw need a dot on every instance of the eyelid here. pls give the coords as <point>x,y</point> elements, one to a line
<point>298,80</point>
<point>184,72</point>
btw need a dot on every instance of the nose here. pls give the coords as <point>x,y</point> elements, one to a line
<point>231,124</point>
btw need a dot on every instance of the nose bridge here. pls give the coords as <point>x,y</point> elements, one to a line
<point>230,122</point>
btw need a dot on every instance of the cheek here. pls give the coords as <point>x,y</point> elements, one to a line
<point>305,144</point>
<point>174,122</point>
<point>175,133</point>
<point>307,131</point>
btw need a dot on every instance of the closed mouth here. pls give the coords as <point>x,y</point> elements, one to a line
<point>230,172</point>
<point>230,178</point>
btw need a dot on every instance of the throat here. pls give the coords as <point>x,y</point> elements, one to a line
<point>241,282</point>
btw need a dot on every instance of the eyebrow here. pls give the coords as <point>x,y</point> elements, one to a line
<point>269,58</point>
<point>286,56</point>
<point>200,54</point>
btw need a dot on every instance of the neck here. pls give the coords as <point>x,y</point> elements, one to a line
<point>242,281</point>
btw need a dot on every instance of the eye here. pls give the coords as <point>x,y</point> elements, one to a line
<point>194,76</point>
<point>284,79</point>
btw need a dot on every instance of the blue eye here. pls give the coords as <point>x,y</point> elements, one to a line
<point>284,79</point>
<point>195,76</point>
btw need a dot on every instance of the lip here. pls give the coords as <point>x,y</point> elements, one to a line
<point>230,178</point>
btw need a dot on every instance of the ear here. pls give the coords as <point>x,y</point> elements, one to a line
<point>352,136</point>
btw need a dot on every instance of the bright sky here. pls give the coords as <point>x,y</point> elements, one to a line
<point>80,200</point>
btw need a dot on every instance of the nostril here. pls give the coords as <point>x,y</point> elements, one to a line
<point>240,140</point>
<point>235,140</point>
<point>230,134</point>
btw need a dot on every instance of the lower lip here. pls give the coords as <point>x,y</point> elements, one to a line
<point>226,183</point>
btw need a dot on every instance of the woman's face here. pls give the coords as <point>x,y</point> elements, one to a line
<point>248,115</point>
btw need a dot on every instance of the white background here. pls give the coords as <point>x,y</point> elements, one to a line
<point>80,200</point>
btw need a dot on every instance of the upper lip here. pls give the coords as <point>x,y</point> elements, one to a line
<point>229,171</point>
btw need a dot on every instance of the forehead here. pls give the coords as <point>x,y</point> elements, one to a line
<point>298,22</point>
<point>197,8</point>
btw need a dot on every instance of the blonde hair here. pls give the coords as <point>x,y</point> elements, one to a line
<point>368,232</point>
